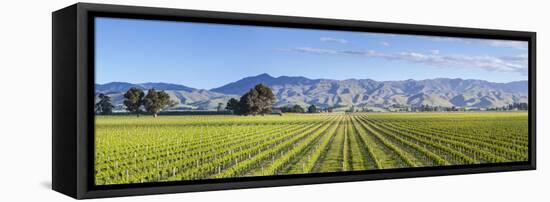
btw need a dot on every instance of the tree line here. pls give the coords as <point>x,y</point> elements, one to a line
<point>258,100</point>
<point>429,108</point>
<point>511,107</point>
<point>135,99</point>
<point>299,109</point>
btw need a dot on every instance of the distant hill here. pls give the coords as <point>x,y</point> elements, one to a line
<point>123,87</point>
<point>367,92</point>
<point>185,97</point>
<point>242,86</point>
<point>328,93</point>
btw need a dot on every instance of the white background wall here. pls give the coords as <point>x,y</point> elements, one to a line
<point>25,99</point>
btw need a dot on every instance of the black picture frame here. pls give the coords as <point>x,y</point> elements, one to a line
<point>73,90</point>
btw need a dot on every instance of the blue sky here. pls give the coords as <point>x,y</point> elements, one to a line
<point>206,56</point>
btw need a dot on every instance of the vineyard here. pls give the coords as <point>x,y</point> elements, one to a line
<point>174,148</point>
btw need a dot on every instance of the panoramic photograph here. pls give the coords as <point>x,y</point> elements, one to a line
<point>180,101</point>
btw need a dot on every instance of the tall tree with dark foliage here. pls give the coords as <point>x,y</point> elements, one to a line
<point>312,109</point>
<point>133,100</point>
<point>298,109</point>
<point>259,100</point>
<point>155,101</point>
<point>104,106</point>
<point>265,99</point>
<point>232,105</point>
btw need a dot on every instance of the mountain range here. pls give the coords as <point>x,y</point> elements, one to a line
<point>290,90</point>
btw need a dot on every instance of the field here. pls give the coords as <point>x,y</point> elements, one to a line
<point>173,148</point>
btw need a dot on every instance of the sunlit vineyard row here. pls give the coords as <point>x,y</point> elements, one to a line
<point>175,148</point>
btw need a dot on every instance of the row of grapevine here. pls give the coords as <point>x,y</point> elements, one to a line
<point>175,148</point>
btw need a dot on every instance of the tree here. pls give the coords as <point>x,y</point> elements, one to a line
<point>312,109</point>
<point>220,107</point>
<point>285,109</point>
<point>243,106</point>
<point>265,99</point>
<point>155,101</point>
<point>352,108</point>
<point>133,100</point>
<point>232,105</point>
<point>259,100</point>
<point>298,109</point>
<point>248,103</point>
<point>104,105</point>
<point>517,106</point>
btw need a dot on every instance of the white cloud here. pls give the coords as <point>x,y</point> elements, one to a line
<point>313,50</point>
<point>443,39</point>
<point>521,45</point>
<point>335,40</point>
<point>435,59</point>
<point>488,63</point>
<point>384,43</point>
<point>383,34</point>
